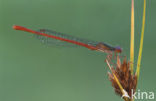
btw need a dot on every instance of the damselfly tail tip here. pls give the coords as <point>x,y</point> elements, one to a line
<point>16,27</point>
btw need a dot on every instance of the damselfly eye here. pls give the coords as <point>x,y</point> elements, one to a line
<point>118,49</point>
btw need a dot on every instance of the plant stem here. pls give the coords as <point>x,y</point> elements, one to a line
<point>141,41</point>
<point>132,38</point>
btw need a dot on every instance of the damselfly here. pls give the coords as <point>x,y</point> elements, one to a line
<point>49,35</point>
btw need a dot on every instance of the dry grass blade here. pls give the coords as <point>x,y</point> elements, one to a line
<point>132,37</point>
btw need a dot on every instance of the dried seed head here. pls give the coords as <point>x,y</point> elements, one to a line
<point>126,79</point>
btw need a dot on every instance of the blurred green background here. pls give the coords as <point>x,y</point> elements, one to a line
<point>32,71</point>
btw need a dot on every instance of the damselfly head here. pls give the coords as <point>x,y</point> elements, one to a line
<point>118,49</point>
